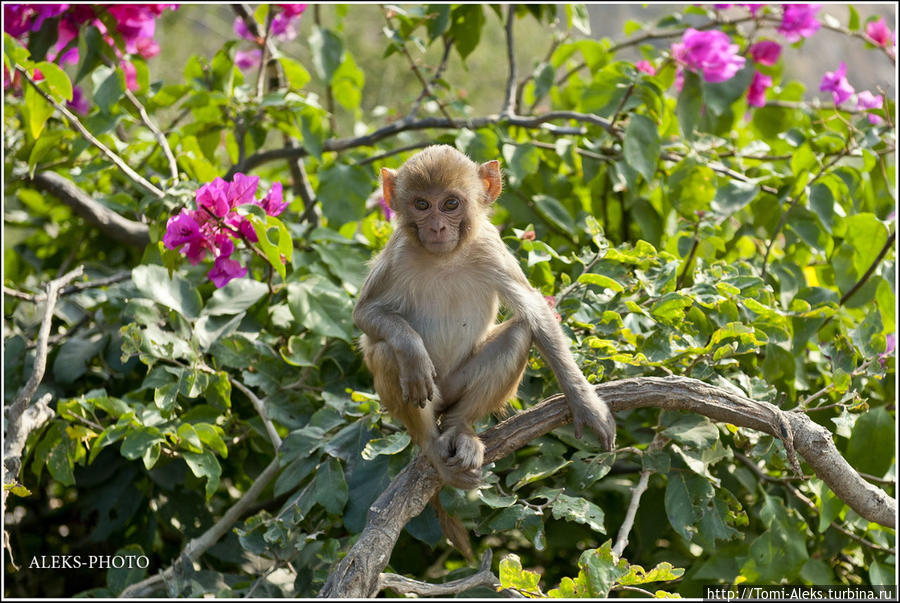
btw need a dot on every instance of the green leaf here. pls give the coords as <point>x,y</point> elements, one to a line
<point>175,293</point>
<point>521,161</point>
<point>641,145</point>
<point>392,444</point>
<point>296,74</point>
<point>139,444</point>
<point>212,437</point>
<point>732,197</point>
<point>205,465</point>
<point>73,356</point>
<point>343,190</point>
<point>118,578</point>
<point>512,575</point>
<point>853,23</point>
<point>189,438</point>
<point>577,17</point>
<point>107,88</point>
<point>61,461</point>
<point>56,79</point>
<point>235,297</point>
<point>347,83</point>
<point>803,160</point>
<point>867,235</point>
<point>37,111</point>
<point>590,278</point>
<point>690,100</point>
<point>294,473</point>
<point>579,510</point>
<point>330,488</point>
<point>467,21</point>
<point>327,51</point>
<point>870,449</point>
<point>320,306</point>
<point>554,213</point>
<point>92,56</point>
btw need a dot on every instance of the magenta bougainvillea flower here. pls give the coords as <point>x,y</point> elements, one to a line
<point>765,52</point>
<point>646,67</point>
<point>799,21</point>
<point>215,224</point>
<point>867,100</point>
<point>284,29</point>
<point>756,93</point>
<point>709,52</point>
<point>880,33</point>
<point>836,83</point>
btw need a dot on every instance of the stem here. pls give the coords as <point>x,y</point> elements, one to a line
<point>690,256</point>
<point>509,108</point>
<point>118,161</point>
<point>157,133</point>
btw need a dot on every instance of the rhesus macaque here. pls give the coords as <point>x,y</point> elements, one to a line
<point>428,311</point>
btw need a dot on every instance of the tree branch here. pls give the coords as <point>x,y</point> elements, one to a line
<point>118,161</point>
<point>260,407</point>
<point>157,133</point>
<point>196,547</point>
<point>22,419</point>
<point>109,222</point>
<point>509,103</point>
<point>408,586</point>
<point>356,575</point>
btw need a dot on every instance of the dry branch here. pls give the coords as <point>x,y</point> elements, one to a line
<point>357,574</point>
<point>21,417</point>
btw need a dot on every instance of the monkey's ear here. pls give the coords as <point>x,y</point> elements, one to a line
<point>387,184</point>
<point>489,172</point>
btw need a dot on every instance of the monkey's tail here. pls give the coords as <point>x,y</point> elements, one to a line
<point>453,528</point>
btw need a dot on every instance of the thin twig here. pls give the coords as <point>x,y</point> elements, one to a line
<point>509,108</point>
<point>196,547</point>
<point>409,586</point>
<point>690,257</point>
<point>76,123</point>
<point>888,245</point>
<point>40,356</point>
<point>157,133</point>
<point>260,407</point>
<point>804,406</point>
<point>74,288</point>
<point>448,46</point>
<point>264,58</point>
<point>657,443</point>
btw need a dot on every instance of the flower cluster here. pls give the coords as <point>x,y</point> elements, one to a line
<point>135,23</point>
<point>709,52</point>
<point>215,223</point>
<point>841,90</point>
<point>284,29</point>
<point>880,34</point>
<point>799,21</point>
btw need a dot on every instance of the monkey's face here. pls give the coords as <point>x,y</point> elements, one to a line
<point>438,219</point>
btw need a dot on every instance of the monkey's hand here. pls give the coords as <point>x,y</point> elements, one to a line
<point>417,377</point>
<point>588,409</point>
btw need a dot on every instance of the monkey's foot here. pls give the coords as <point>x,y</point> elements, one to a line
<point>465,480</point>
<point>461,451</point>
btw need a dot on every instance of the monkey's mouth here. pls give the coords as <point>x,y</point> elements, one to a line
<point>439,246</point>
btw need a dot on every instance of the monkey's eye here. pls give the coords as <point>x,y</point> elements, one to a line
<point>451,204</point>
<point>421,204</point>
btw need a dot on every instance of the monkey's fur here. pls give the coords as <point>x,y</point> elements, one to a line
<point>428,311</point>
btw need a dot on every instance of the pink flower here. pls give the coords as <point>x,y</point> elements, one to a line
<point>799,21</point>
<point>710,52</point>
<point>867,100</point>
<point>240,28</point>
<point>722,6</point>
<point>272,202</point>
<point>385,209</point>
<point>214,197</point>
<point>247,59</point>
<point>765,52</point>
<point>130,75</point>
<point>79,103</point>
<point>181,229</point>
<point>756,94</point>
<point>879,32</point>
<point>646,67</point>
<point>242,190</point>
<point>836,83</point>
<point>224,270</point>
<point>17,19</point>
<point>890,346</point>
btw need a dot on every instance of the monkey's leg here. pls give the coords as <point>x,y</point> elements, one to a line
<point>481,385</point>
<point>419,422</point>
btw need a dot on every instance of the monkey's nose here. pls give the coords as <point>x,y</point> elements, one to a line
<point>438,229</point>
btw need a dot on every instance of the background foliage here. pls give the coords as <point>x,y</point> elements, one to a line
<point>676,231</point>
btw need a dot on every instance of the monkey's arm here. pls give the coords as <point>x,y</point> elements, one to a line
<point>380,322</point>
<point>586,406</point>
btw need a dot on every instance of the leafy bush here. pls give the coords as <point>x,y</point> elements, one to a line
<point>693,213</point>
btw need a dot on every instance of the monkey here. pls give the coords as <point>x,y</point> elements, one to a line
<point>428,312</point>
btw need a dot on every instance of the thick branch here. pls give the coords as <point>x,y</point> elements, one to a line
<point>112,224</point>
<point>357,573</point>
